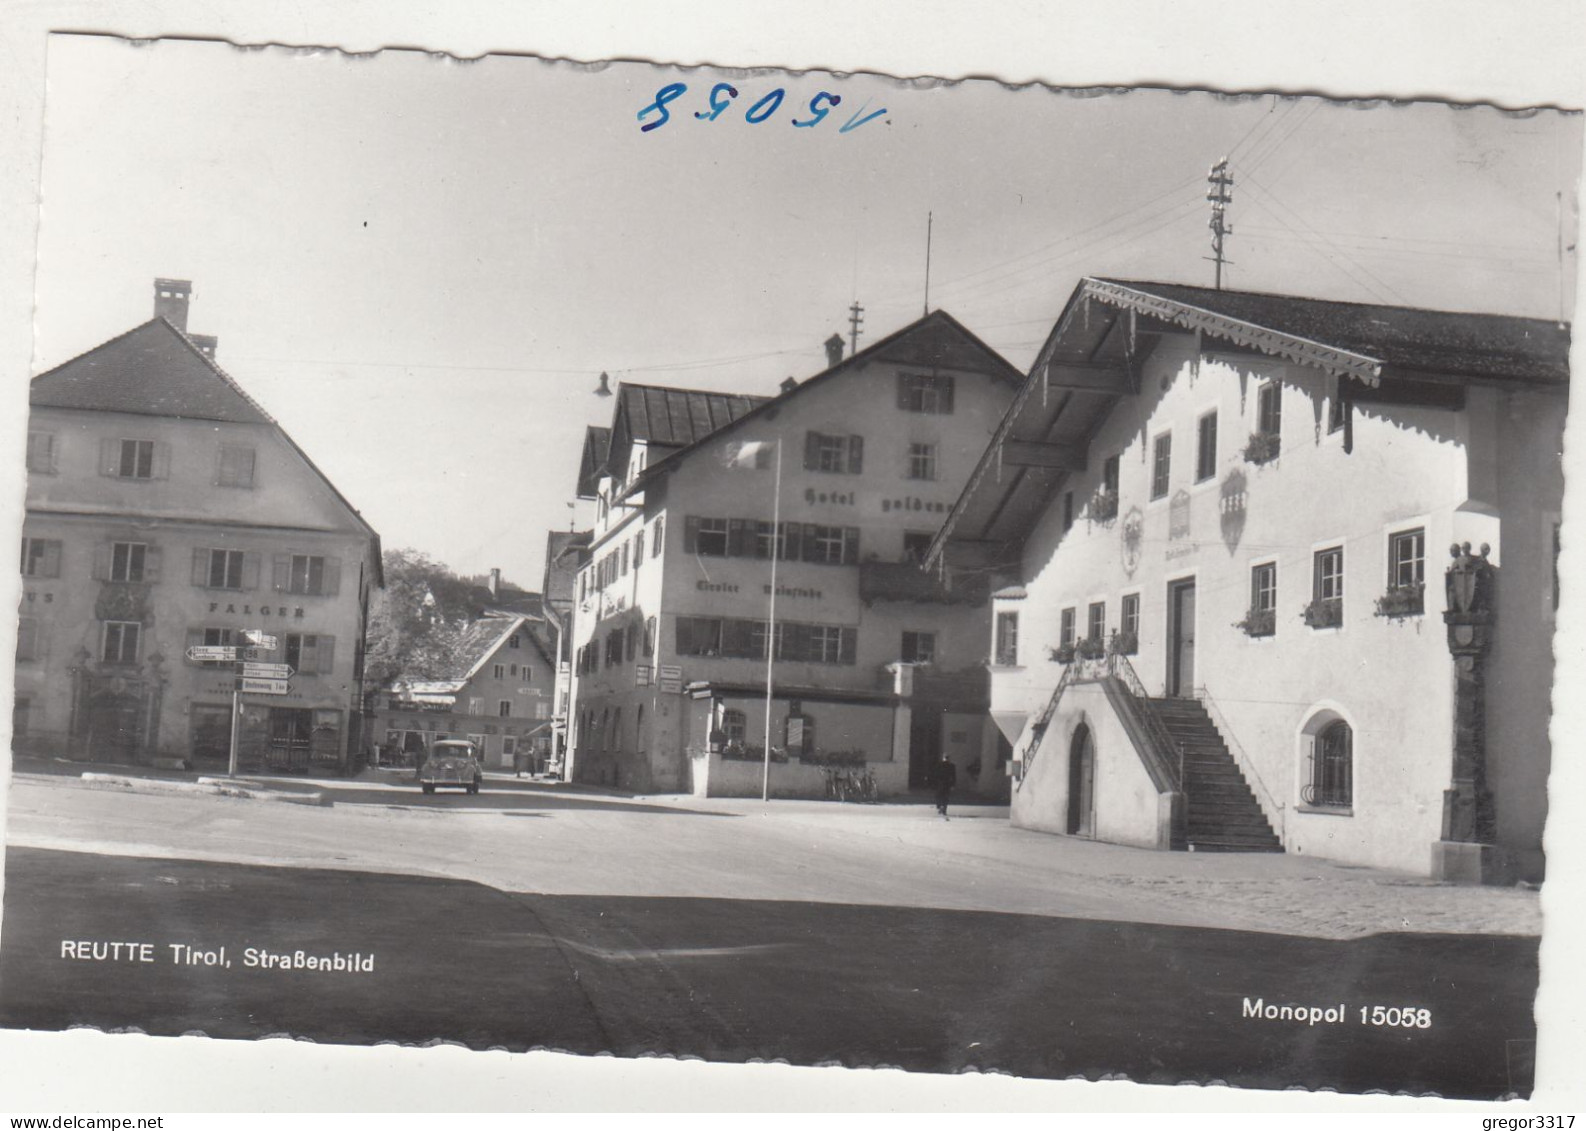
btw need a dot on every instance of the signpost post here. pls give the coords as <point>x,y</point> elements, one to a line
<point>254,678</point>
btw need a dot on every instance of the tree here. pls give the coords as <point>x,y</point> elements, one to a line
<point>416,621</point>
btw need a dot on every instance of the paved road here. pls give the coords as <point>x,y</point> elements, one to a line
<point>925,989</point>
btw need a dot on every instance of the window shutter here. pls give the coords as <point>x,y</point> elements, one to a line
<point>856,455</point>
<point>51,565</point>
<point>946,396</point>
<point>792,544</point>
<point>332,576</point>
<point>109,457</point>
<point>160,466</point>
<point>250,570</point>
<point>27,639</point>
<point>200,566</point>
<point>691,534</point>
<point>850,545</point>
<point>101,570</point>
<point>812,451</point>
<point>848,645</point>
<point>903,392</point>
<point>735,538</point>
<point>324,654</point>
<point>151,563</point>
<point>281,572</point>
<point>685,636</point>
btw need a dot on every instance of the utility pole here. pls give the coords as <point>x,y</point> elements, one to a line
<point>927,263</point>
<point>856,318</point>
<point>1220,184</point>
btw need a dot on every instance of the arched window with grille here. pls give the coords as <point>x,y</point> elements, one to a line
<point>1331,779</point>
<point>734,728</point>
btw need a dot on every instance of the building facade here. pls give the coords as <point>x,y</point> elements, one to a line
<point>1228,615</point>
<point>878,667</point>
<point>166,510</point>
<point>500,697</point>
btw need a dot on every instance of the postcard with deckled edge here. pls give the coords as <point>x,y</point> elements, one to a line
<point>759,565</point>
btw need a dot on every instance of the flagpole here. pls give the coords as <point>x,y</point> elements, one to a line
<point>770,633</point>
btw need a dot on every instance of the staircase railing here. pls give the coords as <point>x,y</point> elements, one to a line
<point>1243,760</point>
<point>1118,665</point>
<point>1038,728</point>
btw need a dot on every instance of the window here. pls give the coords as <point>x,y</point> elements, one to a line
<point>27,639</point>
<point>638,549</point>
<point>1327,589</point>
<point>825,644</point>
<point>1338,410</point>
<point>310,654</point>
<point>649,637</point>
<point>308,574</point>
<point>127,560</point>
<point>1007,639</point>
<point>136,460</point>
<point>1065,628</point>
<point>509,745</point>
<point>512,670</point>
<point>41,453</point>
<point>225,569</point>
<point>121,642</point>
<point>1331,782</point>
<point>501,671</point>
<point>798,734</point>
<point>919,647</point>
<point>1109,475</point>
<point>734,728</point>
<point>828,544</point>
<point>542,709</point>
<point>916,544</point>
<point>476,705</point>
<point>512,641</point>
<point>660,534</point>
<point>1068,511</point>
<point>1262,619</point>
<point>622,570</point>
<point>922,461</point>
<point>711,538</point>
<point>527,673</point>
<point>41,557</point>
<point>504,708</point>
<point>236,466</point>
<point>1206,448</point>
<point>1407,558</point>
<point>698,636</point>
<point>844,454</point>
<point>1161,464</point>
<point>1269,413</point>
<point>20,709</point>
<point>1129,624</point>
<point>923,392</point>
<point>1096,622</point>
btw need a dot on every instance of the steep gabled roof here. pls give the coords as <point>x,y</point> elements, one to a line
<point>151,370</point>
<point>937,340</point>
<point>592,461</point>
<point>656,414</point>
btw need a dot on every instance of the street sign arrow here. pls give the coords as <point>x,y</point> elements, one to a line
<point>208,652</point>
<point>268,671</point>
<point>261,639</point>
<point>251,686</point>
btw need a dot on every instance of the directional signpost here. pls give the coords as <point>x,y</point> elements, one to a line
<point>254,678</point>
<point>254,686</point>
<point>201,653</point>
<point>269,671</point>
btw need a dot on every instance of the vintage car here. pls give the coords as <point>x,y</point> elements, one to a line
<point>451,762</point>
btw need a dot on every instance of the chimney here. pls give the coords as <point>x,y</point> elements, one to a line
<point>834,350</point>
<point>170,301</point>
<point>206,344</point>
<point>495,583</point>
<point>788,385</point>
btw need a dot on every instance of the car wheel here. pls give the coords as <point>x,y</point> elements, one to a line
<point>428,788</point>
<point>473,788</point>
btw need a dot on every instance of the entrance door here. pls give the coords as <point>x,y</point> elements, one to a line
<point>925,746</point>
<point>1081,783</point>
<point>113,727</point>
<point>1181,638</point>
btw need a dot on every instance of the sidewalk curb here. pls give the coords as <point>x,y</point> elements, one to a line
<point>211,787</point>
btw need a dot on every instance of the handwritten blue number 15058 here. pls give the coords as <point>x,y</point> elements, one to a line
<point>723,94</point>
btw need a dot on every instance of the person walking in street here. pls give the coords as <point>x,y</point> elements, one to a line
<point>946,778</point>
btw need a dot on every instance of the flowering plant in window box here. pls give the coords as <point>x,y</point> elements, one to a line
<point>1088,649</point>
<point>1123,643</point>
<point>1402,601</point>
<point>1262,447</point>
<point>1324,612</point>
<point>1259,622</point>
<point>1063,653</point>
<point>1104,505</point>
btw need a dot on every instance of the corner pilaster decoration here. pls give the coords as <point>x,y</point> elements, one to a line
<point>1471,583</point>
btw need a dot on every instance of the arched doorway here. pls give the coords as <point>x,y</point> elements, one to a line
<point>114,727</point>
<point>1081,782</point>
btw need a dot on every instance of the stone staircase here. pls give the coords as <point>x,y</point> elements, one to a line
<point>1222,812</point>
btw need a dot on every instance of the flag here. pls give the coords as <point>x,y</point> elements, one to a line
<point>749,453</point>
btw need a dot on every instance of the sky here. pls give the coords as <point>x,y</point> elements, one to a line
<point>420,265</point>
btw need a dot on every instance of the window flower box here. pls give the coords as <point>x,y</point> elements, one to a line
<point>1261,448</point>
<point>1402,601</point>
<point>1324,612</point>
<point>1260,622</point>
<point>1088,649</point>
<point>1123,644</point>
<point>1104,505</point>
<point>1063,653</point>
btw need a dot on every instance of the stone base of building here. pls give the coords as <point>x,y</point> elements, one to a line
<point>1461,862</point>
